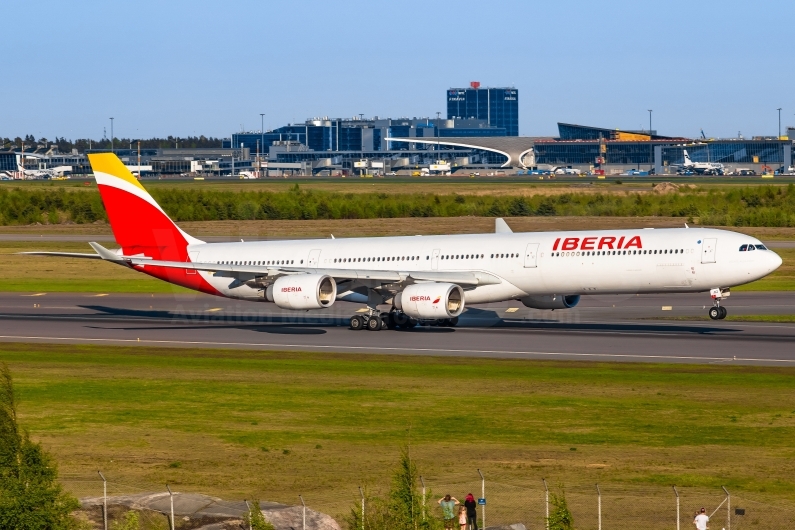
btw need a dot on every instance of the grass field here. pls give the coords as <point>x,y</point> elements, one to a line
<point>521,185</point>
<point>36,274</point>
<point>243,424</point>
<point>41,274</point>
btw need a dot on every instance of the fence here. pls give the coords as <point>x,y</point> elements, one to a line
<point>603,506</point>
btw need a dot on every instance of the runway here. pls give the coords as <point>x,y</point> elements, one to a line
<point>601,328</point>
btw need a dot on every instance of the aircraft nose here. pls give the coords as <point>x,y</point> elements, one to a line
<point>776,261</point>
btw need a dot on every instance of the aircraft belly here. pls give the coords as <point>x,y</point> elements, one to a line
<point>493,293</point>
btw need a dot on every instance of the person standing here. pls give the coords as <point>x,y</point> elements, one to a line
<point>472,512</point>
<point>448,504</point>
<point>701,520</point>
<point>462,517</point>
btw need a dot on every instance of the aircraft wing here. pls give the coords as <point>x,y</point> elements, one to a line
<point>272,271</point>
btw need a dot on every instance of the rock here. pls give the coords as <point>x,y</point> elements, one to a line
<point>665,188</point>
<point>291,518</point>
<point>210,513</point>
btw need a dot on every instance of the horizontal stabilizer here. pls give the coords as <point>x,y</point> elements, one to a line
<point>63,254</point>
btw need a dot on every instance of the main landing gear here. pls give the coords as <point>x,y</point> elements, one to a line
<point>373,321</point>
<point>717,311</point>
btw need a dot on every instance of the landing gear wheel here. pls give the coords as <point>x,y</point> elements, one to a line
<point>389,320</point>
<point>357,322</point>
<point>715,313</point>
<point>723,312</point>
<point>401,319</point>
<point>412,323</point>
<point>384,322</point>
<point>452,322</point>
<point>374,323</point>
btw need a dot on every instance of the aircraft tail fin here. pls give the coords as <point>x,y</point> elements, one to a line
<point>687,158</point>
<point>139,224</point>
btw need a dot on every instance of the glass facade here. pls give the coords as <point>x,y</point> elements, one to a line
<point>417,158</point>
<point>498,106</point>
<point>562,153</point>
<point>8,161</point>
<point>728,152</point>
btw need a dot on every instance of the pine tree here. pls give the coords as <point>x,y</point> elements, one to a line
<point>560,518</point>
<point>256,520</point>
<point>30,496</point>
<point>402,509</point>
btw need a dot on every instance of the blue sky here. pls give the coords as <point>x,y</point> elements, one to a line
<point>208,67</point>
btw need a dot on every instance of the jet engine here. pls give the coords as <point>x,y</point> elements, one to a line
<point>554,301</point>
<point>303,291</point>
<point>431,300</point>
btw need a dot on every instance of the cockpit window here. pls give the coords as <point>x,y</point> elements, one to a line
<point>743,248</point>
<point>760,247</point>
<point>750,248</point>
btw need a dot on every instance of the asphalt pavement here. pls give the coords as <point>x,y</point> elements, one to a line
<point>605,328</point>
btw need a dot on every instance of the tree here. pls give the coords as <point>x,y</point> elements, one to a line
<point>256,520</point>
<point>30,496</point>
<point>402,509</point>
<point>560,518</point>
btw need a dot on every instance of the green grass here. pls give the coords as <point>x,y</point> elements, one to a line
<point>277,424</point>
<point>19,273</point>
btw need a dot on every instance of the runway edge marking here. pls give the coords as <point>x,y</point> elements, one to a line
<point>376,348</point>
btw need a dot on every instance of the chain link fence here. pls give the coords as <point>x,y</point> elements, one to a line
<point>507,502</point>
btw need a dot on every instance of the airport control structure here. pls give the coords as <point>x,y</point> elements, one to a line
<point>479,135</point>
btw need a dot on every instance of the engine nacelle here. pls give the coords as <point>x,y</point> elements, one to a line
<point>303,291</point>
<point>554,301</point>
<point>431,300</point>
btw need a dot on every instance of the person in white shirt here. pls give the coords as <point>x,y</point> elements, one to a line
<point>702,520</point>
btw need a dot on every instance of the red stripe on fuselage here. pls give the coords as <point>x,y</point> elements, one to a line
<point>141,228</point>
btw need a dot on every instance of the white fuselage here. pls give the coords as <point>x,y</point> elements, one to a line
<point>528,264</point>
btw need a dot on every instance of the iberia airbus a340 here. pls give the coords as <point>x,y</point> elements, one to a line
<point>427,279</point>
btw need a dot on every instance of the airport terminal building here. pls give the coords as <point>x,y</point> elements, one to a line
<point>480,133</point>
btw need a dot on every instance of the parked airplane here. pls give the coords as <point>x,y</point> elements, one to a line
<point>426,279</point>
<point>702,168</point>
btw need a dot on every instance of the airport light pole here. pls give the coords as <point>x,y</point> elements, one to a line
<point>779,124</point>
<point>651,146</point>
<point>111,134</point>
<point>261,140</point>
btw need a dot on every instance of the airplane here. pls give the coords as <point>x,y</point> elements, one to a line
<point>424,279</point>
<point>701,168</point>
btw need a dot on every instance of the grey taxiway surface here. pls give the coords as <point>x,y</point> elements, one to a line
<point>604,328</point>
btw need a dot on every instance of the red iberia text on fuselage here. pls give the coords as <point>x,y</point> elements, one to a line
<point>597,243</point>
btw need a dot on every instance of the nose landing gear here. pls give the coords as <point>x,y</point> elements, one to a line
<point>718,312</point>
